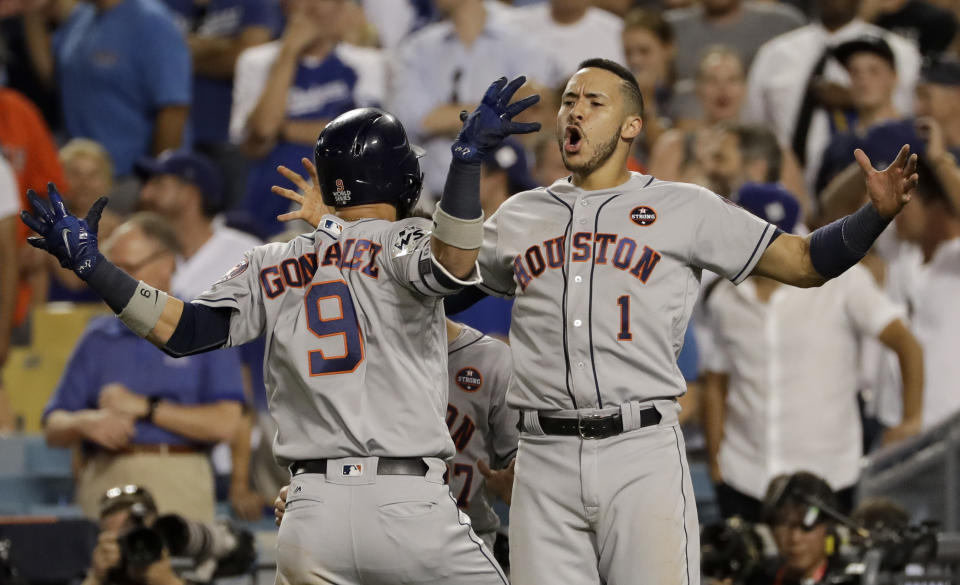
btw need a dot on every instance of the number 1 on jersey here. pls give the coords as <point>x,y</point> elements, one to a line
<point>325,321</point>
<point>624,335</point>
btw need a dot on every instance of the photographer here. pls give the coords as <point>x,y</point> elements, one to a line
<point>122,510</point>
<point>804,536</point>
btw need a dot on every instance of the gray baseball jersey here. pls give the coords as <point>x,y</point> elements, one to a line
<point>605,282</point>
<point>355,358</point>
<point>481,424</point>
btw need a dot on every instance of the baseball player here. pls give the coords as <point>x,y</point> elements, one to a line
<point>605,266</point>
<point>355,337</point>
<point>483,429</point>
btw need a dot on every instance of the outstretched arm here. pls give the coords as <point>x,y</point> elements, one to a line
<point>149,312</point>
<point>830,250</point>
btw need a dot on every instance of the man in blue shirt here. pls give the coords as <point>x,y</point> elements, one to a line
<point>286,91</point>
<point>217,31</point>
<point>142,417</point>
<point>123,71</point>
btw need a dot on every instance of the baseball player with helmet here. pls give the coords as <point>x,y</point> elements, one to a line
<point>355,339</point>
<point>605,267</point>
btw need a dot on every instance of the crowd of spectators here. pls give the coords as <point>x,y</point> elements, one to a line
<point>181,111</point>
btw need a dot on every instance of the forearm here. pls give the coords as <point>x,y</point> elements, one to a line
<point>714,411</point>
<point>63,428</point>
<point>216,57</point>
<point>207,423</point>
<point>39,46</point>
<point>897,337</point>
<point>168,130</point>
<point>240,452</point>
<point>458,220</point>
<point>444,120</point>
<point>303,131</point>
<point>843,195</point>
<point>948,173</point>
<point>268,115</point>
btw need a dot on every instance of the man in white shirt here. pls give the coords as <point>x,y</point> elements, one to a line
<point>926,277</point>
<point>781,383</point>
<point>443,67</point>
<point>794,80</point>
<point>572,31</point>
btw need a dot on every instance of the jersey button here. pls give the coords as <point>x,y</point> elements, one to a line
<point>577,323</point>
<point>579,364</point>
<point>578,278</point>
<point>583,202</point>
<point>583,221</point>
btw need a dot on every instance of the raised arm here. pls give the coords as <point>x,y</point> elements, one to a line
<point>147,311</point>
<point>830,250</point>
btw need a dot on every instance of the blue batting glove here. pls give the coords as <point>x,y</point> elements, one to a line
<point>485,128</point>
<point>71,240</point>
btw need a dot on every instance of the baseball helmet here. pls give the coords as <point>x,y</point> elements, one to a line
<point>363,156</point>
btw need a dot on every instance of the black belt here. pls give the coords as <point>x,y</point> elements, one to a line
<point>385,466</point>
<point>591,426</point>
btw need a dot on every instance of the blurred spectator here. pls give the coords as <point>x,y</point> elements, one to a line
<point>805,536</point>
<point>548,161</point>
<point>9,209</point>
<point>27,145</point>
<point>649,52</point>
<point>571,31</point>
<point>742,25</point>
<point>932,28</point>
<point>122,509</point>
<point>938,97</point>
<point>23,72</point>
<point>742,154</point>
<point>926,278</point>
<point>783,365</point>
<point>139,415</point>
<point>185,188</point>
<point>679,152</point>
<point>881,514</point>
<point>878,128</point>
<point>447,66</point>
<point>123,71</point>
<point>795,81</point>
<point>89,173</point>
<point>287,90</point>
<point>217,31</point>
<point>397,19</point>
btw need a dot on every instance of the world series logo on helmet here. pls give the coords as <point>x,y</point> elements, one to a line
<point>341,195</point>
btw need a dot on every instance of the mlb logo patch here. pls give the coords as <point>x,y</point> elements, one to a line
<point>352,470</point>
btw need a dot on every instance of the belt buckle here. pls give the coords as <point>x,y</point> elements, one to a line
<point>584,432</point>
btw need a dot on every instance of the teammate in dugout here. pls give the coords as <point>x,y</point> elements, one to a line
<point>605,266</point>
<point>367,502</point>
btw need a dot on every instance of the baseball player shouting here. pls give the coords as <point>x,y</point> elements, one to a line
<point>605,266</point>
<point>355,339</point>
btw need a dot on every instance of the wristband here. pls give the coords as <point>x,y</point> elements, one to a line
<point>466,234</point>
<point>144,309</point>
<point>152,403</point>
<point>837,246</point>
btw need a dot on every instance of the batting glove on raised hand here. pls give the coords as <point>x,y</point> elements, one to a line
<point>486,127</point>
<point>72,240</point>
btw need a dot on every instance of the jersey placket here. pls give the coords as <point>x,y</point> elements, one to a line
<point>578,308</point>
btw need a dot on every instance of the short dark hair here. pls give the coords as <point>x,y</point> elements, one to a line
<point>650,20</point>
<point>155,227</point>
<point>629,87</point>
<point>758,142</point>
<point>930,188</point>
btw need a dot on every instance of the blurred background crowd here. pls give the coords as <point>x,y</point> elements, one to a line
<point>181,110</point>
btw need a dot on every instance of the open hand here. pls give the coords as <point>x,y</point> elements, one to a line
<point>891,188</point>
<point>312,207</point>
<point>492,121</point>
<point>499,481</point>
<point>71,240</point>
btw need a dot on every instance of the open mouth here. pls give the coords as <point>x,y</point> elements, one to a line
<point>572,140</point>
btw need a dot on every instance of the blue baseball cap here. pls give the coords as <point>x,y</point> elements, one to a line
<point>191,167</point>
<point>770,202</point>
<point>512,159</point>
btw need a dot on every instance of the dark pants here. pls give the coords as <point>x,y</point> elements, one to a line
<point>733,502</point>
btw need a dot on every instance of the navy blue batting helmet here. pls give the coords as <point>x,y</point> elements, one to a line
<point>363,156</point>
